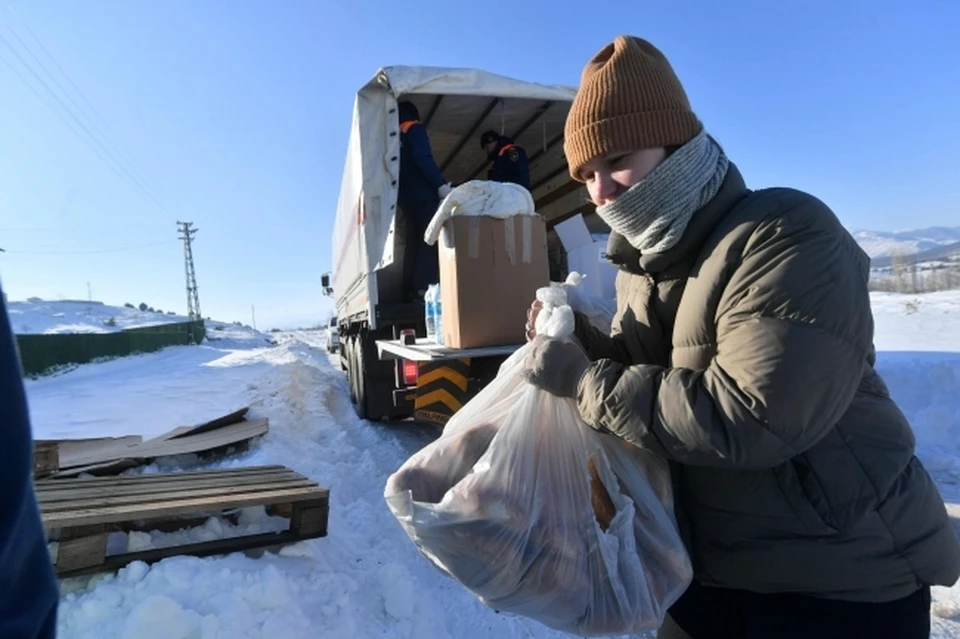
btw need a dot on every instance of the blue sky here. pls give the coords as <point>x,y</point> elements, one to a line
<point>234,115</point>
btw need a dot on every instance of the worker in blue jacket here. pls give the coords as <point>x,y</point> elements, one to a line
<point>422,187</point>
<point>508,160</point>
<point>28,586</point>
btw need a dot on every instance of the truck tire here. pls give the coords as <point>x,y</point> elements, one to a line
<point>360,383</point>
<point>349,369</point>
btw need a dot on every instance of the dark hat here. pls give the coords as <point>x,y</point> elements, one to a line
<point>488,137</point>
<point>629,99</point>
<point>408,111</point>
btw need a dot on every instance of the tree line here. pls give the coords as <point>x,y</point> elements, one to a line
<point>905,275</point>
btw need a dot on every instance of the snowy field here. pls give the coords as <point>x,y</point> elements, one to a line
<point>366,579</point>
<point>77,316</point>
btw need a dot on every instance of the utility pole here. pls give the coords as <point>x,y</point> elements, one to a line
<point>187,232</point>
<point>253,315</point>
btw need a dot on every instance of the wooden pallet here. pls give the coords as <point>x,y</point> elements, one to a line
<point>81,513</point>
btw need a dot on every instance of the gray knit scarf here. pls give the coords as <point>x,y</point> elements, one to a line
<point>653,214</point>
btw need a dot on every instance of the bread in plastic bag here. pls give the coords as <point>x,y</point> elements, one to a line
<point>539,515</point>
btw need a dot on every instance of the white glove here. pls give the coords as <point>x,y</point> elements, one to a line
<point>444,190</point>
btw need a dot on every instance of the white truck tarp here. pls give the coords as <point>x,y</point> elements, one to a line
<point>364,227</point>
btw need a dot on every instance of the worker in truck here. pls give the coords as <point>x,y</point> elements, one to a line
<point>422,187</point>
<point>742,353</point>
<point>508,161</point>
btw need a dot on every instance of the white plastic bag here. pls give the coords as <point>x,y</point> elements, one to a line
<point>480,197</point>
<point>598,311</point>
<point>507,501</point>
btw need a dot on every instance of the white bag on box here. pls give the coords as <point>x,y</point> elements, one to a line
<point>539,515</point>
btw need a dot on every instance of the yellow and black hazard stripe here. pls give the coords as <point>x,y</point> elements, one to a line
<point>441,390</point>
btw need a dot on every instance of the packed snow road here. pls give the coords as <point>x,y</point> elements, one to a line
<point>366,579</point>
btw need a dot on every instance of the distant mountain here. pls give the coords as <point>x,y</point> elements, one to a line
<point>882,244</point>
<point>949,253</point>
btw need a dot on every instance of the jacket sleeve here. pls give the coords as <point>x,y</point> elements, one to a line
<point>597,345</point>
<point>28,587</point>
<point>793,333</point>
<point>423,156</point>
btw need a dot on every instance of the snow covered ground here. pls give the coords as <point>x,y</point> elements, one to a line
<point>37,316</point>
<point>366,579</point>
<point>77,316</point>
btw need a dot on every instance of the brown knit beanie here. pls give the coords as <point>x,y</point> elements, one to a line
<point>629,99</point>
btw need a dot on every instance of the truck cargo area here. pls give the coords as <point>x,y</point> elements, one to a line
<point>376,322</point>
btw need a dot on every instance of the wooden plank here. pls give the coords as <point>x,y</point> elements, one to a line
<point>78,532</point>
<point>197,443</point>
<point>82,552</point>
<point>310,518</point>
<point>172,434</point>
<point>158,479</point>
<point>46,458</point>
<point>151,449</point>
<point>110,514</point>
<point>78,488</point>
<point>77,452</point>
<point>219,422</point>
<point>56,484</point>
<point>201,549</point>
<point>88,452</point>
<point>113,467</point>
<point>159,498</point>
<point>132,493</point>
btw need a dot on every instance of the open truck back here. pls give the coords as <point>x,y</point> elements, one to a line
<point>391,372</point>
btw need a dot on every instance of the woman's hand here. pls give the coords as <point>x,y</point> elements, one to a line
<point>531,325</point>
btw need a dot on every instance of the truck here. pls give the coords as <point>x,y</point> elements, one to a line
<point>393,372</point>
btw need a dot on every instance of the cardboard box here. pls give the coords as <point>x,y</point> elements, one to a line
<point>490,270</point>
<point>587,255</point>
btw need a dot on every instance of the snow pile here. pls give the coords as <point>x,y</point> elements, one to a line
<point>366,579</point>
<point>36,316</point>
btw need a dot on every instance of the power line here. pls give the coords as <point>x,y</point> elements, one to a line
<point>96,251</point>
<point>144,192</point>
<point>59,86</point>
<point>130,157</point>
<point>112,226</point>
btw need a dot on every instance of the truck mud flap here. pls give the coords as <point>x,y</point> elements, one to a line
<point>442,390</point>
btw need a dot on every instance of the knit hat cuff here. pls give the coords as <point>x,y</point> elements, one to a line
<point>627,133</point>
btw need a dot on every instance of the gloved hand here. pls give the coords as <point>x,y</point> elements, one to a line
<point>555,366</point>
<point>531,326</point>
<point>444,190</point>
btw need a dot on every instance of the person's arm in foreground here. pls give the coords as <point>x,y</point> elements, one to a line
<point>28,586</point>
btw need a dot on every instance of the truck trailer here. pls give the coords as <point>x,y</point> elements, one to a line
<point>394,373</point>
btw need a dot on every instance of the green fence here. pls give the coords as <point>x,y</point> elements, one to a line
<point>39,353</point>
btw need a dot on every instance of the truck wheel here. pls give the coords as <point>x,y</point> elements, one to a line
<point>359,386</point>
<point>350,369</point>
